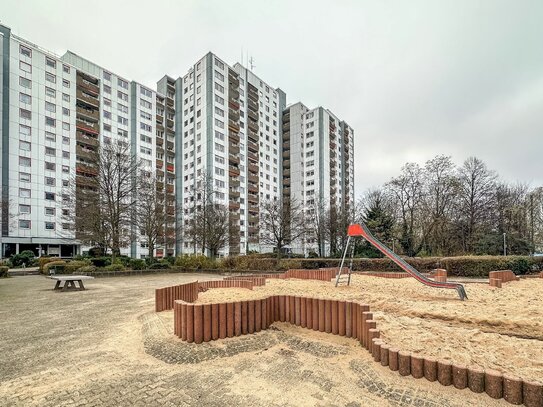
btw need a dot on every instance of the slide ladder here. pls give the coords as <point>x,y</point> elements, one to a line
<point>361,230</point>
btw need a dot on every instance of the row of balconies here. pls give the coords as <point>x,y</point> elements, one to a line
<point>87,85</point>
<point>252,105</point>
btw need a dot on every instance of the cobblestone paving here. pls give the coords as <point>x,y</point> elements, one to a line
<point>106,347</point>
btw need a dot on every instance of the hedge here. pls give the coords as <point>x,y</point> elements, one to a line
<point>462,266</point>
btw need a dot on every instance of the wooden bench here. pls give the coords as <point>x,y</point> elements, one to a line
<point>69,282</point>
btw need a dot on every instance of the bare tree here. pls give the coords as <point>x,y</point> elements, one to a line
<point>208,224</point>
<point>477,184</point>
<point>281,222</point>
<point>104,204</point>
<point>150,212</point>
<point>317,218</point>
<point>407,191</point>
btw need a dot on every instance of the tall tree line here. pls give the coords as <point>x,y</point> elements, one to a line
<point>443,209</point>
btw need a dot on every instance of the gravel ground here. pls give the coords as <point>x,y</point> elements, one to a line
<point>106,347</point>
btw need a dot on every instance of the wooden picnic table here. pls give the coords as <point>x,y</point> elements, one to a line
<point>69,282</point>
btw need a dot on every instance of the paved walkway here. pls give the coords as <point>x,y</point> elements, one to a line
<point>106,347</point>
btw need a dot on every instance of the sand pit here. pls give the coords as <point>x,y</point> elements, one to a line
<point>496,328</point>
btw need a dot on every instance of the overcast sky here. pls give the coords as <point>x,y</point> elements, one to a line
<point>413,78</point>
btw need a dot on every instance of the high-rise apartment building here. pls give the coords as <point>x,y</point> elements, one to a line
<point>229,132</point>
<point>318,163</point>
<point>218,123</point>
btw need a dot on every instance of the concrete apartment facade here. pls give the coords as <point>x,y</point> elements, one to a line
<point>217,120</point>
<point>318,163</point>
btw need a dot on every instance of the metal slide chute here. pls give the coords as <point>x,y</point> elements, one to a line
<point>361,230</point>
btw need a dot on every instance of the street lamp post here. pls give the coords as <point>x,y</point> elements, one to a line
<point>504,245</point>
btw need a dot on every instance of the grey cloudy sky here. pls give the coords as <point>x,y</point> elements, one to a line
<point>413,78</point>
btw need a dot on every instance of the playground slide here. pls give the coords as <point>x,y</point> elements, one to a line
<point>362,230</point>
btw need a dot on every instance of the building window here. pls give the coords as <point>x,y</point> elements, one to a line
<point>107,114</point>
<point>27,52</point>
<point>24,177</point>
<point>49,121</point>
<point>25,114</point>
<point>50,151</point>
<point>219,123</point>
<point>122,83</point>
<point>24,224</point>
<point>50,166</point>
<point>107,76</point>
<point>66,68</point>
<point>107,89</point>
<point>25,83</point>
<point>25,162</point>
<point>50,211</point>
<point>66,154</point>
<point>23,66</point>
<point>122,96</point>
<point>145,104</point>
<point>25,209</point>
<point>24,98</point>
<point>50,62</point>
<point>122,108</point>
<point>50,136</point>
<point>24,193</point>
<point>24,145</point>
<point>50,225</point>
<point>146,92</point>
<point>50,107</point>
<point>49,77</point>
<point>122,120</point>
<point>66,169</point>
<point>50,92</point>
<point>49,196</point>
<point>66,83</point>
<point>65,111</point>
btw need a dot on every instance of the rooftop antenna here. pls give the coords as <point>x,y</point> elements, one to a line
<point>251,60</point>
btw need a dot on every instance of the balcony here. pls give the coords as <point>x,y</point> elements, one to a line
<point>253,96</point>
<point>169,145</point>
<point>233,206</point>
<point>286,182</point>
<point>169,123</point>
<point>233,137</point>
<point>170,168</point>
<point>286,116</point>
<point>252,156</point>
<point>286,163</point>
<point>159,186</point>
<point>234,126</point>
<point>253,167</point>
<point>252,188</point>
<point>333,145</point>
<point>252,146</point>
<point>253,126</point>
<point>234,183</point>
<point>87,98</point>
<point>87,85</point>
<point>286,172</point>
<point>252,115</point>
<point>286,135</point>
<point>233,114</point>
<point>233,171</point>
<point>82,138</point>
<point>159,118</point>
<point>253,136</point>
<point>89,114</point>
<point>85,152</point>
<point>252,105</point>
<point>159,163</point>
<point>233,105</point>
<point>159,141</point>
<point>233,148</point>
<point>286,154</point>
<point>85,169</point>
<point>91,128</point>
<point>253,178</point>
<point>286,146</point>
<point>286,127</point>
<point>169,189</point>
<point>233,158</point>
<point>286,190</point>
